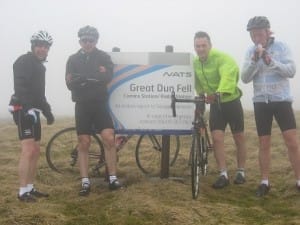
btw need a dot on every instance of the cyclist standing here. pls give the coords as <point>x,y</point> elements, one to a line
<point>25,105</point>
<point>88,72</point>
<point>269,65</point>
<point>217,72</point>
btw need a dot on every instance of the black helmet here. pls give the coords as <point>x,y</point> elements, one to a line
<point>258,22</point>
<point>88,31</point>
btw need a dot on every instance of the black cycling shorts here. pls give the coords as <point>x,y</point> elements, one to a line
<point>26,128</point>
<point>92,117</point>
<point>227,113</point>
<point>282,112</point>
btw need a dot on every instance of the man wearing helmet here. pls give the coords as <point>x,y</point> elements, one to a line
<point>268,63</point>
<point>87,73</point>
<point>26,104</point>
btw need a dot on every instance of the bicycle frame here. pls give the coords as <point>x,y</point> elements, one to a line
<point>199,123</point>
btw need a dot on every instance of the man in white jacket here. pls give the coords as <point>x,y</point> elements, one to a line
<point>269,65</point>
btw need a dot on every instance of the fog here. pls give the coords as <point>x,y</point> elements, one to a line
<point>136,26</point>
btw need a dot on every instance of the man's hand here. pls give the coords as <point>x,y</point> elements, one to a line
<point>49,116</point>
<point>259,51</point>
<point>75,80</point>
<point>210,99</point>
<point>266,58</point>
<point>102,69</point>
<point>213,98</point>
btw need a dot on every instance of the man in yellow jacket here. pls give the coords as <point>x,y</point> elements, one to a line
<point>217,73</point>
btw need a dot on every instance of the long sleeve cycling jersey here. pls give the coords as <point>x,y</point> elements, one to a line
<point>270,82</point>
<point>219,73</point>
<point>29,82</point>
<point>92,85</point>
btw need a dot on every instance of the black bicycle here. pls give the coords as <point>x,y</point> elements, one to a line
<point>62,154</point>
<point>201,144</point>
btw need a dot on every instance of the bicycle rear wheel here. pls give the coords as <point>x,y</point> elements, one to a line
<point>148,153</point>
<point>61,152</point>
<point>195,164</point>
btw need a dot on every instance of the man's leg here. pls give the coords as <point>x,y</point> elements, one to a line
<point>83,159</point>
<point>33,164</point>
<point>219,153</point>
<point>25,169</point>
<point>240,142</point>
<point>264,157</point>
<point>108,138</point>
<point>291,141</point>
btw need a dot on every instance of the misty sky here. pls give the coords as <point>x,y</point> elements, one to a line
<point>137,26</point>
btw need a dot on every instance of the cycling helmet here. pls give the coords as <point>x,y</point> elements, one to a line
<point>258,22</point>
<point>41,36</point>
<point>88,31</point>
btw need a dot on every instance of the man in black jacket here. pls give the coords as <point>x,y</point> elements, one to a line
<point>26,104</point>
<point>87,74</point>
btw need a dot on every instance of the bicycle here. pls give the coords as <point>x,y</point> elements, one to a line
<point>201,144</point>
<point>62,154</point>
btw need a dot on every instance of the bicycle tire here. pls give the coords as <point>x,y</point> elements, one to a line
<point>195,164</point>
<point>148,153</point>
<point>61,154</point>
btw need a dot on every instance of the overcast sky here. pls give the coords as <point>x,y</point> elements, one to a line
<point>137,26</point>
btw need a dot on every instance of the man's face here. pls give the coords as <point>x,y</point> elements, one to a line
<point>40,50</point>
<point>202,47</point>
<point>260,36</point>
<point>88,44</point>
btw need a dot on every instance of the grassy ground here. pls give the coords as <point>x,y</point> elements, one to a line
<point>150,200</point>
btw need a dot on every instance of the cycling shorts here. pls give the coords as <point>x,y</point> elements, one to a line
<point>281,111</point>
<point>92,117</point>
<point>26,128</point>
<point>227,113</point>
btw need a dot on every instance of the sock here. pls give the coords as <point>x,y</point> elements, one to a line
<point>265,181</point>
<point>112,178</point>
<point>29,187</point>
<point>224,173</point>
<point>241,171</point>
<point>85,181</point>
<point>22,190</point>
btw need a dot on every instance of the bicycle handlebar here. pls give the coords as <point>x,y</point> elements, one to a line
<point>197,100</point>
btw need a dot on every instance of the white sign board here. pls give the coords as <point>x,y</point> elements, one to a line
<point>140,92</point>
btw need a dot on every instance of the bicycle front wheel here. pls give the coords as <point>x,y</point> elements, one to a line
<point>148,153</point>
<point>204,155</point>
<point>61,150</point>
<point>195,164</point>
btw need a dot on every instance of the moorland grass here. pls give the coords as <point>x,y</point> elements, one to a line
<point>151,200</point>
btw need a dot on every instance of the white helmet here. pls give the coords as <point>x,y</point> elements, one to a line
<point>41,36</point>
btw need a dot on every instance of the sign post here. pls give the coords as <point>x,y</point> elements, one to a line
<point>140,96</point>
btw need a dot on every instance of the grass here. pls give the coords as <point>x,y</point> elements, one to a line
<point>151,200</point>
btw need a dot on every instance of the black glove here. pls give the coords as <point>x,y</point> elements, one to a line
<point>49,116</point>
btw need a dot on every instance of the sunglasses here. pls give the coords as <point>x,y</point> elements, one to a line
<point>87,40</point>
